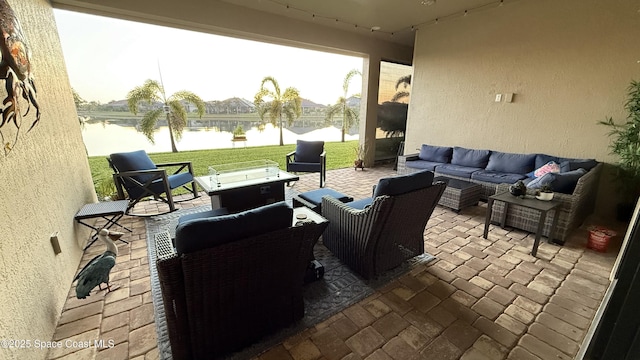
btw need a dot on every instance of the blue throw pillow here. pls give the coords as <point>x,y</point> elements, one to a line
<point>567,165</point>
<point>439,154</point>
<point>559,182</point>
<point>470,157</point>
<point>546,179</point>
<point>566,182</point>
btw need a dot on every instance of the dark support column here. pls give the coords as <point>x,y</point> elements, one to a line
<point>369,106</point>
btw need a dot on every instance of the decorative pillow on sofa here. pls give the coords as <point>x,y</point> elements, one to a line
<point>566,182</point>
<point>544,180</point>
<point>567,165</point>
<point>438,154</point>
<point>470,157</point>
<point>550,167</point>
<point>559,182</point>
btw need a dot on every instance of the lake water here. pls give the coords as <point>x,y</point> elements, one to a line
<point>102,139</point>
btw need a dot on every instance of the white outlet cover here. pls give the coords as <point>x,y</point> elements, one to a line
<point>498,97</point>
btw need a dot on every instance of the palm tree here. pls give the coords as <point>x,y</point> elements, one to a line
<point>406,81</point>
<point>349,115</point>
<point>151,92</point>
<point>287,104</point>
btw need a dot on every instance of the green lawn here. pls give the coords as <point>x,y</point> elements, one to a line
<point>339,155</point>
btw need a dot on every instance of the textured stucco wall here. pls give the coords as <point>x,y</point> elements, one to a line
<point>44,181</point>
<point>568,62</point>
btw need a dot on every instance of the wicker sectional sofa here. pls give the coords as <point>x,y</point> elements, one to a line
<point>575,184</point>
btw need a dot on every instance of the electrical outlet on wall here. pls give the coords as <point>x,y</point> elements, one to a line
<point>55,243</point>
<point>498,97</point>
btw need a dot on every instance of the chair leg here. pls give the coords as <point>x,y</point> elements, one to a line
<point>195,191</point>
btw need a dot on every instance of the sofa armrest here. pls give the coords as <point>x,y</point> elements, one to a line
<point>402,163</point>
<point>410,157</point>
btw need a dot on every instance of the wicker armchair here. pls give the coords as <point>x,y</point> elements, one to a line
<point>220,299</point>
<point>384,234</point>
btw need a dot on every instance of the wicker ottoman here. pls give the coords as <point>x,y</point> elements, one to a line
<point>459,194</point>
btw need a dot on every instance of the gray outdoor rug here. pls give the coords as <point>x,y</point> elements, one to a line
<point>339,288</point>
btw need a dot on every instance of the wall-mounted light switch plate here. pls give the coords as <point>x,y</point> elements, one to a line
<point>498,97</point>
<point>508,97</point>
<point>55,243</point>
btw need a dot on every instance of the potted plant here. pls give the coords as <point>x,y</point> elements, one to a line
<point>239,134</point>
<point>360,152</point>
<point>545,193</point>
<point>625,144</point>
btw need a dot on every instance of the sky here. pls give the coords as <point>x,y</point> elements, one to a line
<point>106,58</point>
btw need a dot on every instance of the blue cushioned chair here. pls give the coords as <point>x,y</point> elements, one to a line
<point>388,229</point>
<point>233,279</point>
<point>136,173</point>
<point>308,157</point>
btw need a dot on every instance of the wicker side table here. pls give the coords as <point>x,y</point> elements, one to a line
<point>459,194</point>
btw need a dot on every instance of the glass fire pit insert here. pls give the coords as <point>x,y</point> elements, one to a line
<point>242,171</point>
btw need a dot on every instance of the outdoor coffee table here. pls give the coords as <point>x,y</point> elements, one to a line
<point>243,186</point>
<point>459,194</point>
<point>543,207</point>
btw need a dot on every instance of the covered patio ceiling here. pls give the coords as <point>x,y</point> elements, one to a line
<point>380,20</point>
<point>392,21</point>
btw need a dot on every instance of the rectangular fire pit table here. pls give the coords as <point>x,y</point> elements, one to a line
<point>543,207</point>
<point>459,194</point>
<point>243,186</point>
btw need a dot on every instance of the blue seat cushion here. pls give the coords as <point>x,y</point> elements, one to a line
<point>422,164</point>
<point>457,170</point>
<point>511,163</point>
<point>438,154</point>
<point>315,196</point>
<point>308,151</point>
<point>470,157</point>
<point>360,204</point>
<point>398,185</point>
<point>157,187</point>
<point>207,232</point>
<point>179,179</point>
<point>497,177</point>
<point>203,215</point>
<point>304,167</point>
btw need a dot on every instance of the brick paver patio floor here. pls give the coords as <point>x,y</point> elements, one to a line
<point>481,298</point>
